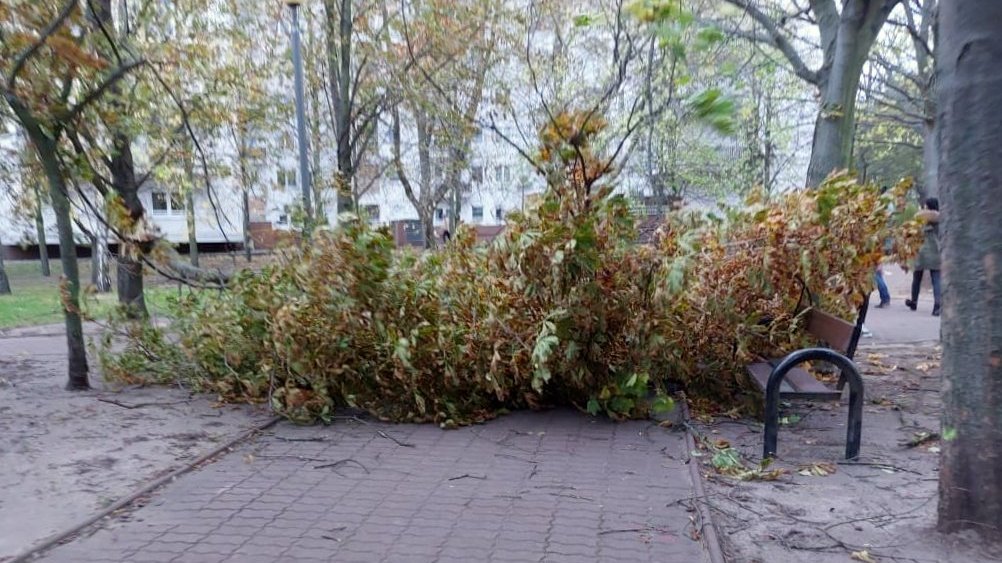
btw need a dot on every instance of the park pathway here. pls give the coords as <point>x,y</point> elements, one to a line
<point>551,486</point>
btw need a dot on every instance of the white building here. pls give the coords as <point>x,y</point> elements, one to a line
<point>498,180</point>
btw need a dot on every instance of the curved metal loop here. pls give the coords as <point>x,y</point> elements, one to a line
<point>849,372</point>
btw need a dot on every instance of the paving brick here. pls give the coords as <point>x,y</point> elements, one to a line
<point>547,496</point>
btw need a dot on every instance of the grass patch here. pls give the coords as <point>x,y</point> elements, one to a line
<point>35,299</point>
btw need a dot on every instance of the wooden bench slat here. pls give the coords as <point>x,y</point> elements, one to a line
<point>798,384</point>
<point>760,373</point>
<point>833,331</point>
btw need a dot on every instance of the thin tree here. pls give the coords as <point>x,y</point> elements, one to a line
<point>970,175</point>
<point>4,280</point>
<point>353,32</point>
<point>49,77</point>
<point>31,188</point>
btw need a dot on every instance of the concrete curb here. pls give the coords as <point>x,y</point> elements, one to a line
<point>709,530</point>
<point>60,537</point>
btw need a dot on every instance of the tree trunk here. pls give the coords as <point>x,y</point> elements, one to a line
<point>248,243</point>
<point>4,280</point>
<point>427,217</point>
<point>339,28</point>
<point>455,207</point>
<point>189,215</point>
<point>847,38</point>
<point>189,201</point>
<point>130,268</point>
<point>43,246</point>
<point>970,180</point>
<point>835,126</point>
<point>70,285</point>
<point>930,160</point>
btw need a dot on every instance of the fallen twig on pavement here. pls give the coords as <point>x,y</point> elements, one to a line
<point>341,462</point>
<point>879,465</point>
<point>623,531</point>
<point>287,456</point>
<point>468,476</point>
<point>288,439</point>
<point>398,442</point>
<point>141,405</point>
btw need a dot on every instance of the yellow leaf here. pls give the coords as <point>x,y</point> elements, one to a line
<point>864,556</point>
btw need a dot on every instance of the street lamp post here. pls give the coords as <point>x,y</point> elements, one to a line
<point>304,167</point>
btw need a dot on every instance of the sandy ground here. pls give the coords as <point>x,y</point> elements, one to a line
<point>881,508</point>
<point>65,455</point>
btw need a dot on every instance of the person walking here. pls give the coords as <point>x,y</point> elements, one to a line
<point>928,256</point>
<point>878,276</point>
<point>885,294</point>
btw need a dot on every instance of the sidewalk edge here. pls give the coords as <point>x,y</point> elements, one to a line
<point>709,529</point>
<point>60,537</point>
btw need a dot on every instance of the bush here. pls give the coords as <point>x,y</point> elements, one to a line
<point>562,309</point>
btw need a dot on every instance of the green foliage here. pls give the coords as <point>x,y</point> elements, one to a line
<point>563,308</point>
<point>715,109</point>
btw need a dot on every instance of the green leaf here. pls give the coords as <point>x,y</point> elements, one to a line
<point>714,108</point>
<point>949,434</point>
<point>622,405</point>
<point>707,37</point>
<point>726,459</point>
<point>583,20</point>
<point>662,404</point>
<point>593,406</point>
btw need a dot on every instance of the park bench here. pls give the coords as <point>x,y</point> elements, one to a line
<point>783,380</point>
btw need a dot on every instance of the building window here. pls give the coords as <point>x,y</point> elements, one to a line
<point>477,173</point>
<point>498,213</point>
<point>478,213</point>
<point>283,219</point>
<point>502,174</point>
<point>164,203</point>
<point>176,203</point>
<point>371,212</point>
<point>440,214</point>
<point>286,178</point>
<point>160,206</point>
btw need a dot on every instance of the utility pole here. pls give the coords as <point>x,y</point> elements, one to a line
<point>304,166</point>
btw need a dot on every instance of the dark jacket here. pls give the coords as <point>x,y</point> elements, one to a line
<point>928,256</point>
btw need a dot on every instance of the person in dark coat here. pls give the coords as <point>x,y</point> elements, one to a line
<point>928,256</point>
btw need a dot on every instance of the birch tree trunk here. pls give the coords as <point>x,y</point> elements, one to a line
<point>100,275</point>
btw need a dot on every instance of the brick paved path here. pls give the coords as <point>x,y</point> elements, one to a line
<point>556,486</point>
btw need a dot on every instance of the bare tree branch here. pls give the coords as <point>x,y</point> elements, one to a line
<point>95,94</point>
<point>49,30</point>
<point>778,39</point>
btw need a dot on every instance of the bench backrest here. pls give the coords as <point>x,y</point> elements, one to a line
<point>838,334</point>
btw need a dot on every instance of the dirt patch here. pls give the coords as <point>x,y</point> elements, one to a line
<point>881,507</point>
<point>65,455</point>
